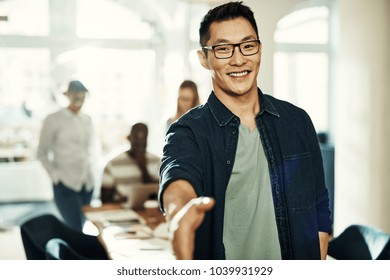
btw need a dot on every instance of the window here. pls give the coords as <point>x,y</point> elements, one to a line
<point>24,88</point>
<point>24,77</point>
<point>131,55</point>
<point>304,26</point>
<point>119,93</point>
<point>25,17</point>
<point>302,62</point>
<point>108,19</point>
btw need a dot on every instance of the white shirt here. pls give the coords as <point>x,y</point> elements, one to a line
<point>65,148</point>
<point>123,170</point>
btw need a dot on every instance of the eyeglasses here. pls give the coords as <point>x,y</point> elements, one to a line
<point>227,50</point>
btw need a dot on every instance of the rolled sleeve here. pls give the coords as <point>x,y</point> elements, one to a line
<point>181,160</point>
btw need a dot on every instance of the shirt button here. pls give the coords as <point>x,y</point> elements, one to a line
<point>234,132</point>
<point>228,162</point>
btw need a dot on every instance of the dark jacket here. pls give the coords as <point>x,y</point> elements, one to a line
<point>201,147</point>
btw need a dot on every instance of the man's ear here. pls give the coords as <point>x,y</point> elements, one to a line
<point>203,59</point>
<point>261,48</point>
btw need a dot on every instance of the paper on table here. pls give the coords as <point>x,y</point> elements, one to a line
<point>120,215</point>
<point>154,248</point>
<point>135,231</point>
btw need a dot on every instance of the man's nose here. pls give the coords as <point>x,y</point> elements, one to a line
<point>237,57</point>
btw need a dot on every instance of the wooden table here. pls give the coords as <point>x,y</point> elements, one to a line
<point>131,234</point>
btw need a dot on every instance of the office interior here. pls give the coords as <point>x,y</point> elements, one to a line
<point>329,57</point>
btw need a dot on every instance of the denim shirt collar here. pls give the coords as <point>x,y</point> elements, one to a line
<point>223,115</point>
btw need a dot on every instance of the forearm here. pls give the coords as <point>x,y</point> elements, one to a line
<point>45,147</point>
<point>47,165</point>
<point>176,196</point>
<point>324,240</point>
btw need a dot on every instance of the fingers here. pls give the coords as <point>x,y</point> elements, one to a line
<point>193,212</point>
<point>185,224</point>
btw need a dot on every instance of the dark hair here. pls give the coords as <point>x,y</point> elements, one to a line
<point>194,88</point>
<point>76,86</point>
<point>139,127</point>
<point>223,12</point>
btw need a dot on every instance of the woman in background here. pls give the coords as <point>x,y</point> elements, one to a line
<point>188,98</point>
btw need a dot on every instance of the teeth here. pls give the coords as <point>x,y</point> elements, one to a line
<point>240,74</point>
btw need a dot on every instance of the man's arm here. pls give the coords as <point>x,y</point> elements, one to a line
<point>322,200</point>
<point>185,212</point>
<point>44,147</point>
<point>324,240</point>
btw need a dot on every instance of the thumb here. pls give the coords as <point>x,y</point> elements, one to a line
<point>204,203</point>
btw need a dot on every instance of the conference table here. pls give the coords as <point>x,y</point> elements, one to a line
<point>129,234</point>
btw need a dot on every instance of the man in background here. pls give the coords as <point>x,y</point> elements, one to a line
<point>65,149</point>
<point>134,166</point>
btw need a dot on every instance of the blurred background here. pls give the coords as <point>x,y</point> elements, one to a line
<point>330,57</point>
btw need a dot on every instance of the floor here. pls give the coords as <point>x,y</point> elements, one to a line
<point>11,244</point>
<point>12,215</point>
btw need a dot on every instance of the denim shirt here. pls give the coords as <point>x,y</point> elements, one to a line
<point>201,147</point>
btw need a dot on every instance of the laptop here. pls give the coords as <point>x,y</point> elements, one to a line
<point>138,193</point>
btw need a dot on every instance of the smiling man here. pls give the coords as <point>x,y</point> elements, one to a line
<point>242,175</point>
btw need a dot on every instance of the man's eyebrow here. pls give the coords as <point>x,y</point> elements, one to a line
<point>249,37</point>
<point>221,41</point>
<point>225,41</point>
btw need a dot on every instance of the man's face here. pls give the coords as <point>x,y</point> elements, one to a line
<point>235,76</point>
<point>138,139</point>
<point>76,98</point>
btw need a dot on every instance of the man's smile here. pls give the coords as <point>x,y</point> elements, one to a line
<point>239,74</point>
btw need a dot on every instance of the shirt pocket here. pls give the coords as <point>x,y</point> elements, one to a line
<point>299,181</point>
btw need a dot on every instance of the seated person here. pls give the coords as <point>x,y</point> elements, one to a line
<point>133,166</point>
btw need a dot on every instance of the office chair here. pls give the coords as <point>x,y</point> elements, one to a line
<point>58,249</point>
<point>358,242</point>
<point>37,231</point>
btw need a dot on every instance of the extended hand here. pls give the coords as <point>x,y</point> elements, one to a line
<point>184,224</point>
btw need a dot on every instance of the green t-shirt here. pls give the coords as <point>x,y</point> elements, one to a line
<point>250,230</point>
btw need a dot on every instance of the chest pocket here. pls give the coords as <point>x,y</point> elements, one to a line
<point>299,181</point>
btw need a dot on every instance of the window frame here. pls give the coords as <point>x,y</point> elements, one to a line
<point>327,48</point>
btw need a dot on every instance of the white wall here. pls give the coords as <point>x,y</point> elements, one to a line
<point>362,191</point>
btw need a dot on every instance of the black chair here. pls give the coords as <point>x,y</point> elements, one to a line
<point>37,231</point>
<point>358,242</point>
<point>58,249</point>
